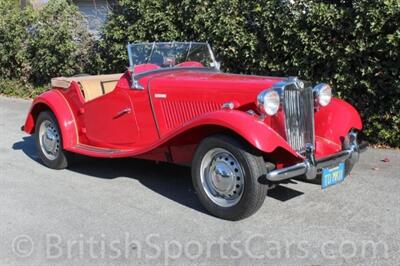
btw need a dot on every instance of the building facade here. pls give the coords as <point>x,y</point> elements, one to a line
<point>94,11</point>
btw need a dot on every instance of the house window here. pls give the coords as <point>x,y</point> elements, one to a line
<point>95,12</point>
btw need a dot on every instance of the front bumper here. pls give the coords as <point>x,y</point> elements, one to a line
<point>310,167</point>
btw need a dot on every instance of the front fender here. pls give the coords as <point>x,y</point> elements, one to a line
<point>334,121</point>
<point>254,131</point>
<point>54,101</point>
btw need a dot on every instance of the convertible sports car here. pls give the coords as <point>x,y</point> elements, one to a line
<point>241,134</point>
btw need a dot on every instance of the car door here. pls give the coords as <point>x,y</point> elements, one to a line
<point>110,120</point>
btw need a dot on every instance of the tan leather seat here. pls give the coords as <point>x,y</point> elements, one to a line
<point>91,89</point>
<point>91,86</point>
<point>109,86</point>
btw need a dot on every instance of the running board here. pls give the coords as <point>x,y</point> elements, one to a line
<point>100,152</point>
<point>97,149</point>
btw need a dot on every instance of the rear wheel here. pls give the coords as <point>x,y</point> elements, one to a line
<point>227,176</point>
<point>49,142</point>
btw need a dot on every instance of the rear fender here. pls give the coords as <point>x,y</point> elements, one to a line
<point>54,101</point>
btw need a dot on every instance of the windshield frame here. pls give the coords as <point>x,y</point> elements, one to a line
<point>214,64</point>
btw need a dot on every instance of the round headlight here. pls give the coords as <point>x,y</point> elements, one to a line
<point>323,94</point>
<point>269,101</point>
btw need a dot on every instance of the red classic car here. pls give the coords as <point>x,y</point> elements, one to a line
<point>241,134</point>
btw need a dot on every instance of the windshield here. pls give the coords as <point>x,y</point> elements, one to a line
<point>171,54</point>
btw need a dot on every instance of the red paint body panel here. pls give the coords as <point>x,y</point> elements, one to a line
<point>106,122</point>
<point>204,92</point>
<point>175,111</point>
<point>335,120</point>
<point>56,102</point>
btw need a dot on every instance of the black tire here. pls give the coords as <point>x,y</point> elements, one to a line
<point>61,157</point>
<point>254,168</point>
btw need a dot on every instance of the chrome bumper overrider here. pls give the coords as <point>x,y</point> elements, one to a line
<point>310,167</point>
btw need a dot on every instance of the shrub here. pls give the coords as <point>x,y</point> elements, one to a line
<point>354,45</point>
<point>15,87</point>
<point>133,21</point>
<point>14,61</point>
<point>59,42</point>
<point>36,45</point>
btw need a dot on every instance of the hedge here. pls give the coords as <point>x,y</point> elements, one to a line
<point>36,45</point>
<point>59,42</point>
<point>14,60</point>
<point>353,45</point>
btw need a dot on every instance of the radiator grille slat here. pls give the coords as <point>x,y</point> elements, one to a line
<point>299,117</point>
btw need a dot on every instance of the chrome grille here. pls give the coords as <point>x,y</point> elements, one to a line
<point>299,117</point>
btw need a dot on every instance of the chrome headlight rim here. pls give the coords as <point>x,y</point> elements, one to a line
<point>322,94</point>
<point>269,102</point>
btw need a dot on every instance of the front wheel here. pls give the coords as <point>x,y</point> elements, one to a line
<point>49,142</point>
<point>227,175</point>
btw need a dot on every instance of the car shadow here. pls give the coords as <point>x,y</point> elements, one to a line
<point>283,193</point>
<point>27,146</point>
<point>169,180</point>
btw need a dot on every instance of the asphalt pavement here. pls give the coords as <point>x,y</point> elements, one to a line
<point>129,211</point>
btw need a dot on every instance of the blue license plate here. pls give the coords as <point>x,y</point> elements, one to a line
<point>332,176</point>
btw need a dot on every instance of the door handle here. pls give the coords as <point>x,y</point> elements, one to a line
<point>124,111</point>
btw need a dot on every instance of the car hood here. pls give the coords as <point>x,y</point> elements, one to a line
<point>180,96</point>
<point>210,86</point>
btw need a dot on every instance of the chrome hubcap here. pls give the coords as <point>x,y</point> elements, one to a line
<point>49,139</point>
<point>222,177</point>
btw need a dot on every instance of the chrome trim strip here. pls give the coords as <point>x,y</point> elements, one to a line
<point>153,110</point>
<point>130,55</point>
<point>172,69</point>
<point>151,52</point>
<point>216,64</point>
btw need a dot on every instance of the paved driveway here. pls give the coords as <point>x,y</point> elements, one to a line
<point>134,211</point>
